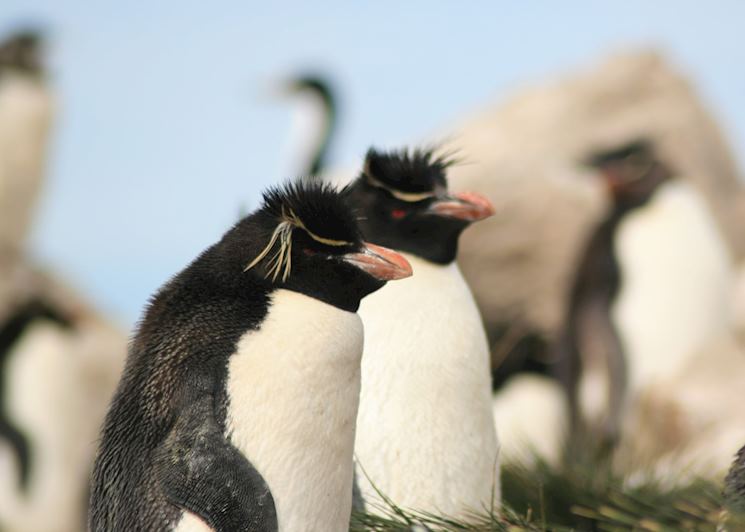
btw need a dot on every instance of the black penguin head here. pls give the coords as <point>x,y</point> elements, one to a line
<point>305,238</point>
<point>22,52</point>
<point>313,84</point>
<point>403,200</point>
<point>632,172</point>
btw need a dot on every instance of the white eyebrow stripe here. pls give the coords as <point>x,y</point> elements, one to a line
<point>327,241</point>
<point>281,261</point>
<point>411,197</point>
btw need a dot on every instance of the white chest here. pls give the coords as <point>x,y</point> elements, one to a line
<point>676,283</point>
<point>293,388</point>
<point>425,431</point>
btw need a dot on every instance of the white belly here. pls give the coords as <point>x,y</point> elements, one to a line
<point>532,417</point>
<point>59,385</point>
<point>293,389</point>
<point>676,292</point>
<point>425,431</point>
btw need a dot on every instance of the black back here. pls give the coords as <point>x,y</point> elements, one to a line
<point>163,445</point>
<point>392,197</point>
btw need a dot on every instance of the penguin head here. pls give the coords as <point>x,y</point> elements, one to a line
<point>305,238</point>
<point>403,200</point>
<point>311,84</point>
<point>632,172</point>
<point>22,52</point>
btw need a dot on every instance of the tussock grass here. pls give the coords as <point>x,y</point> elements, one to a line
<point>581,498</point>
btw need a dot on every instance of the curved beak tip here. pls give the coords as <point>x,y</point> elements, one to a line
<point>467,206</point>
<point>381,263</point>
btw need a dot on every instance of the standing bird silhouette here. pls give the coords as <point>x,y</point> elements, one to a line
<point>425,431</point>
<point>59,358</point>
<point>25,111</point>
<point>25,117</point>
<point>237,405</point>
<point>314,123</point>
<point>590,342</point>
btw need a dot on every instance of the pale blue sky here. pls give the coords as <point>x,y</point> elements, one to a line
<point>162,132</point>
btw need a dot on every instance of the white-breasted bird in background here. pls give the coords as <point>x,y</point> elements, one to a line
<point>590,343</point>
<point>59,359</point>
<point>26,109</point>
<point>314,122</point>
<point>237,407</point>
<point>425,434</point>
<point>651,292</point>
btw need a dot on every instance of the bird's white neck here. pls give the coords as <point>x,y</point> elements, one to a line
<point>310,124</point>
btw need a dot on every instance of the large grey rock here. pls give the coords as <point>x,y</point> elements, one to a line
<point>525,154</point>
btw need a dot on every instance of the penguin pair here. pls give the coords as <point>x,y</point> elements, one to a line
<point>237,407</point>
<point>425,432</point>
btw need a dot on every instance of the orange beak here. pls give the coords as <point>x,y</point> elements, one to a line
<point>467,206</point>
<point>381,263</point>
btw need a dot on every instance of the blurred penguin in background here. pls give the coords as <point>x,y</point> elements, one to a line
<point>652,291</point>
<point>314,123</point>
<point>590,347</point>
<point>59,360</point>
<point>26,108</point>
<point>652,287</point>
<point>425,431</point>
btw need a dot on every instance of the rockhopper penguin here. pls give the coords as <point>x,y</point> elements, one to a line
<point>425,432</point>
<point>237,406</point>
<point>590,343</point>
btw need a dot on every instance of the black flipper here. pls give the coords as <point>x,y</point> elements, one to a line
<point>200,471</point>
<point>617,368</point>
<point>608,347</point>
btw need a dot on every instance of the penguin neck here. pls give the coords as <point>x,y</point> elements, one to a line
<point>604,237</point>
<point>313,126</point>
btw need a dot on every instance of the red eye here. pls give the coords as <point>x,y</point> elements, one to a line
<point>397,214</point>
